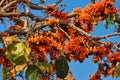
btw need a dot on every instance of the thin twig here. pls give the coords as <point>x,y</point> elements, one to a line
<point>108,35</point>
<point>64,32</point>
<point>30,5</point>
<point>32,16</point>
<point>112,43</point>
<point>26,19</point>
<point>82,32</point>
<point>93,1</point>
<point>1,2</point>
<point>11,3</point>
<point>57,2</point>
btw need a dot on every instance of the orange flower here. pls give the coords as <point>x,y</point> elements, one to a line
<point>44,45</point>
<point>52,21</point>
<point>77,10</point>
<point>95,59</point>
<point>17,27</point>
<point>111,58</point>
<point>95,76</point>
<point>5,34</point>
<point>110,71</point>
<point>76,48</point>
<point>50,9</point>
<point>10,27</point>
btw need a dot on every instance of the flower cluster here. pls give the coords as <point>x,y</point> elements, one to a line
<point>114,57</point>
<point>93,13</point>
<point>52,10</point>
<point>78,48</point>
<point>60,37</point>
<point>106,72</point>
<point>44,44</point>
<point>101,51</point>
<point>16,27</point>
<point>52,22</point>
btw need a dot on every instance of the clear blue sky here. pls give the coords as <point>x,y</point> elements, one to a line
<point>81,71</point>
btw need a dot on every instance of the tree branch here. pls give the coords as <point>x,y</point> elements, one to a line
<point>11,3</point>
<point>27,18</point>
<point>1,2</point>
<point>108,35</point>
<point>11,14</point>
<point>82,32</point>
<point>93,1</point>
<point>57,2</point>
<point>113,43</point>
<point>30,5</point>
<point>75,14</point>
<point>76,28</point>
<point>64,32</point>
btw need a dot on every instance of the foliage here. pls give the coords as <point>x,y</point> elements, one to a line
<point>32,73</point>
<point>61,67</point>
<point>17,53</point>
<point>62,36</point>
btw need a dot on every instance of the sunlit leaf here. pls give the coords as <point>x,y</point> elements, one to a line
<point>117,70</point>
<point>19,68</point>
<point>107,22</point>
<point>32,73</point>
<point>8,40</point>
<point>17,53</point>
<point>61,67</point>
<point>88,44</point>
<point>45,67</point>
<point>110,20</point>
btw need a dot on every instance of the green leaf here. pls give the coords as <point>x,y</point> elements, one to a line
<point>32,73</point>
<point>45,67</point>
<point>114,17</point>
<point>110,20</point>
<point>100,66</point>
<point>18,53</point>
<point>5,75</point>
<point>61,67</point>
<point>106,24</point>
<point>117,70</point>
<point>88,44</point>
<point>115,24</point>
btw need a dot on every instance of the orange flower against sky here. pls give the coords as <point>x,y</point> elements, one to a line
<point>50,9</point>
<point>52,22</point>
<point>93,14</point>
<point>46,45</point>
<point>17,27</point>
<point>114,57</point>
<point>77,48</point>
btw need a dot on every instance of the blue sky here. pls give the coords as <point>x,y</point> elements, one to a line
<point>81,71</point>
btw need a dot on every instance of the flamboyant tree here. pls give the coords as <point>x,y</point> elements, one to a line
<point>43,44</point>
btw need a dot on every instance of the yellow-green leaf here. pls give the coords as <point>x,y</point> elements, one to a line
<point>45,67</point>
<point>18,53</point>
<point>117,70</point>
